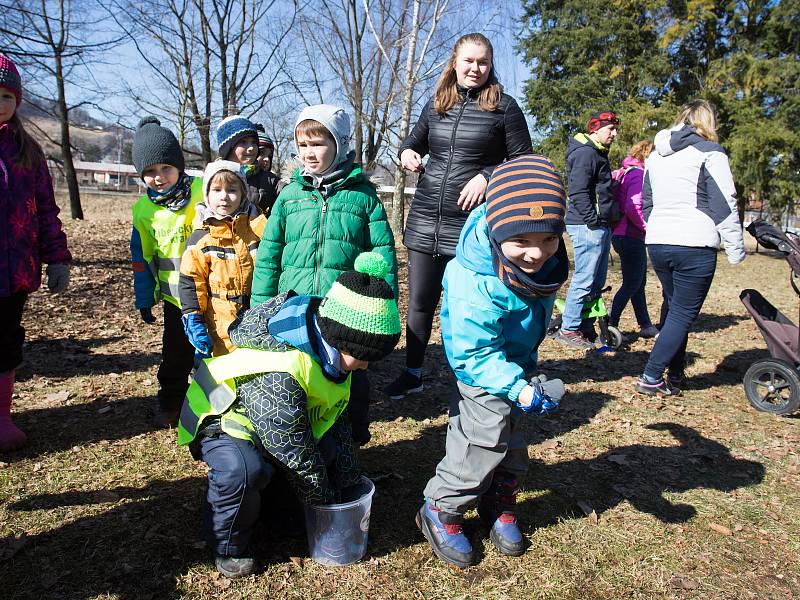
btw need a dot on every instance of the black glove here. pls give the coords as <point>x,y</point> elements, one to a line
<point>147,315</point>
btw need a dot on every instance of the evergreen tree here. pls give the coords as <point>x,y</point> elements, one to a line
<point>644,58</point>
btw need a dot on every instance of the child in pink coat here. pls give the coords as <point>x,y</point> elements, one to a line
<point>30,234</point>
<point>627,238</point>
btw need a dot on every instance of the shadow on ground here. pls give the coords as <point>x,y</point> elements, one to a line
<point>55,429</point>
<point>133,551</point>
<point>65,357</point>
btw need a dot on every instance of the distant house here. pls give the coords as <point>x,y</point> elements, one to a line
<point>104,176</point>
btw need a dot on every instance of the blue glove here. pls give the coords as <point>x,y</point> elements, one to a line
<point>196,331</point>
<point>546,395</point>
<point>147,315</point>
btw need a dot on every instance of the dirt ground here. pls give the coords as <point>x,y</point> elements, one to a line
<point>626,497</point>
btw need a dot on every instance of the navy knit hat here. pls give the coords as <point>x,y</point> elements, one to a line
<point>602,118</point>
<point>153,145</point>
<point>264,141</point>
<point>231,130</point>
<point>525,195</point>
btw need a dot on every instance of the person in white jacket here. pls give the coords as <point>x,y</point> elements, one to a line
<point>689,203</point>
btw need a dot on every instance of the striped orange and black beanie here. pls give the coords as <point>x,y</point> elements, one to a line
<point>525,195</point>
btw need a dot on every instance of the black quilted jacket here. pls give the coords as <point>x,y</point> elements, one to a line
<point>461,144</point>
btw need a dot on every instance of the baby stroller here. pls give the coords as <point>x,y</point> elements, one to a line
<point>773,384</point>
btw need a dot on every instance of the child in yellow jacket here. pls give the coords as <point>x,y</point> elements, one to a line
<point>217,265</point>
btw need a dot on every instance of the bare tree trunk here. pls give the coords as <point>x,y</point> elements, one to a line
<point>76,211</point>
<point>398,197</point>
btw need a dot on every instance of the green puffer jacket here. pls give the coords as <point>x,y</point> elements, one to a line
<point>313,235</point>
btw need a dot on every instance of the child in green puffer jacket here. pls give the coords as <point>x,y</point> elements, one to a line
<point>326,216</point>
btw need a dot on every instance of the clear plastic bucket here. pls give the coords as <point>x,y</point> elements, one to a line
<point>337,533</point>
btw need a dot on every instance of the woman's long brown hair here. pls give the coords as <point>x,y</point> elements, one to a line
<point>29,152</point>
<point>447,95</point>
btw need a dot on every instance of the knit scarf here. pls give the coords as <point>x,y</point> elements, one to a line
<point>176,197</point>
<point>537,285</point>
<point>249,170</point>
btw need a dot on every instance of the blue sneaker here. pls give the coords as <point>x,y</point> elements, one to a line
<point>445,533</point>
<point>505,533</point>
<point>497,509</point>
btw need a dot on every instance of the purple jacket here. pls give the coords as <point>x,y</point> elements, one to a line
<point>30,230</point>
<point>629,198</point>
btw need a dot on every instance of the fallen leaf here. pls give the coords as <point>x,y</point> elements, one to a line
<point>721,529</point>
<point>619,459</point>
<point>588,511</point>
<point>683,583</point>
<point>62,396</point>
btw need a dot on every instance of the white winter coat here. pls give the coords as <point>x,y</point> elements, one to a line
<point>688,196</point>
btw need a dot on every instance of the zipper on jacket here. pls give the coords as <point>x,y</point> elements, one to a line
<point>320,245</point>
<point>446,173</point>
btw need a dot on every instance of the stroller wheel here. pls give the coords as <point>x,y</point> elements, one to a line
<point>773,386</point>
<point>615,338</point>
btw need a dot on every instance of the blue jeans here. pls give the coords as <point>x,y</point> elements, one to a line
<point>237,474</point>
<point>591,248</point>
<point>633,259</point>
<point>685,274</point>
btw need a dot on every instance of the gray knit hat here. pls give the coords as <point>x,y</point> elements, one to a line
<point>153,145</point>
<point>335,120</point>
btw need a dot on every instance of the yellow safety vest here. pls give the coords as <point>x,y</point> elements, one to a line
<point>163,234</point>
<point>213,391</point>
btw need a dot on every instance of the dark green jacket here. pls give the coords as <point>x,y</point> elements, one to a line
<point>313,235</point>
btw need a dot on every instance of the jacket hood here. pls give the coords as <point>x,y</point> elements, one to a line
<point>670,141</point>
<point>474,251</point>
<point>631,161</point>
<point>335,120</point>
<point>581,140</point>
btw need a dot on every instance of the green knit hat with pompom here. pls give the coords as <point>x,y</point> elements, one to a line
<point>359,313</point>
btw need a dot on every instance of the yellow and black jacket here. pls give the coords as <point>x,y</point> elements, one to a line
<point>217,270</point>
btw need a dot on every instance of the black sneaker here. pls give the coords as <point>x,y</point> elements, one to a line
<point>662,387</point>
<point>233,567</point>
<point>406,383</point>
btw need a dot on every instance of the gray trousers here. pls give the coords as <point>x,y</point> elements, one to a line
<point>484,434</point>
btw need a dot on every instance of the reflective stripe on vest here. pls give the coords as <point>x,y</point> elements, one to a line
<point>213,389</point>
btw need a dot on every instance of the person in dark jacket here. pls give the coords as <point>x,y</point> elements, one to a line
<point>468,128</point>
<point>589,221</point>
<point>238,141</point>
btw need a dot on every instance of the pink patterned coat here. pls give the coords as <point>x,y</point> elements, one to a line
<point>30,230</point>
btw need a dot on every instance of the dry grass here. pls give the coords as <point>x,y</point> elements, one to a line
<point>694,497</point>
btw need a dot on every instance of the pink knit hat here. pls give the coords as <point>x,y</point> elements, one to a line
<point>9,77</point>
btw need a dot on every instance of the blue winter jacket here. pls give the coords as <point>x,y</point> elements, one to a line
<point>490,334</point>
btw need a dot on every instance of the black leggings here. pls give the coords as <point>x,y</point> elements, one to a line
<point>425,273</point>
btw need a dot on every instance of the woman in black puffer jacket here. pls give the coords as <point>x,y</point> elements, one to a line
<point>468,128</point>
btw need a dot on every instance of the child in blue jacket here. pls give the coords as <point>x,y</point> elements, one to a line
<point>498,296</point>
